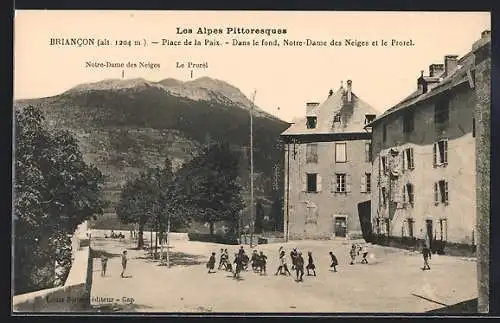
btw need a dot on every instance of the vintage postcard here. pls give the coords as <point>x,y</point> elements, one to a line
<point>251,162</point>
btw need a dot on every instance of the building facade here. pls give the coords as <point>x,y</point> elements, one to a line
<point>328,167</point>
<point>424,159</point>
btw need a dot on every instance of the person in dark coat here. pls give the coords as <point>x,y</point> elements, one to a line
<point>334,262</point>
<point>310,264</point>
<point>293,257</point>
<point>299,266</point>
<point>262,263</point>
<point>255,260</point>
<point>211,263</point>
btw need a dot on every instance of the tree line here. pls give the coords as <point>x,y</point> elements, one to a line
<point>205,189</point>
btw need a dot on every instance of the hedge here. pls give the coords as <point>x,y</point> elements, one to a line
<point>216,238</point>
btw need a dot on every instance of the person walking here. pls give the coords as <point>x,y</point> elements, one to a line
<point>221,261</point>
<point>334,263</point>
<point>124,263</point>
<point>299,267</point>
<point>310,264</point>
<point>104,264</point>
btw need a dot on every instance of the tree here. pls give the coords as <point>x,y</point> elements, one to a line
<point>151,199</point>
<point>54,191</point>
<point>259,217</point>
<point>211,187</point>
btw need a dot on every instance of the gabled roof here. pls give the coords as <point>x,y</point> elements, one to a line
<point>446,82</point>
<point>352,116</point>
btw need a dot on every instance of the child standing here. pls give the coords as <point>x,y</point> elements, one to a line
<point>211,263</point>
<point>353,254</point>
<point>299,266</point>
<point>104,265</point>
<point>124,263</point>
<point>364,253</point>
<point>334,262</point>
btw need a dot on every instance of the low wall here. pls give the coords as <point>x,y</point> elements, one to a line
<point>173,236</point>
<point>73,296</point>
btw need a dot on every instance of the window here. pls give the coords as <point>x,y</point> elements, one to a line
<point>341,183</point>
<point>366,183</point>
<point>442,112</point>
<point>408,194</point>
<point>336,118</point>
<point>384,197</point>
<point>473,127</point>
<point>311,122</point>
<point>408,123</point>
<point>411,224</point>
<point>312,181</point>
<point>443,229</point>
<point>384,133</point>
<point>340,152</point>
<point>441,192</point>
<point>408,161</point>
<point>368,152</point>
<point>440,153</point>
<point>312,153</point>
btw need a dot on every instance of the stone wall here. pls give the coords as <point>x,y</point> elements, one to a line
<point>72,297</point>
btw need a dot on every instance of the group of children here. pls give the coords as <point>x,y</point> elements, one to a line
<point>259,260</point>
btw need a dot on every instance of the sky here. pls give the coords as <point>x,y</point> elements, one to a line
<point>285,78</point>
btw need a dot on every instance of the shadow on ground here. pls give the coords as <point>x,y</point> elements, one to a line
<point>177,259</point>
<point>97,253</point>
<point>465,307</point>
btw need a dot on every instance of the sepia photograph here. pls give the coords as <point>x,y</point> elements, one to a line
<point>293,162</point>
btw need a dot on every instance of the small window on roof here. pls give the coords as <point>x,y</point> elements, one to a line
<point>311,122</point>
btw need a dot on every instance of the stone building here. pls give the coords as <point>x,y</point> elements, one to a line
<point>328,167</point>
<point>424,159</point>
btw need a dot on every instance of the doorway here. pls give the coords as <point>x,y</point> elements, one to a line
<point>340,226</point>
<point>428,225</point>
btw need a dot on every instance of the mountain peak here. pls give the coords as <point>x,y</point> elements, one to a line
<point>112,84</point>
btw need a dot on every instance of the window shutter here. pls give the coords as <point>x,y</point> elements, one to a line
<point>403,162</point>
<point>304,182</point>
<point>348,183</point>
<point>363,183</point>
<point>434,154</point>
<point>334,183</point>
<point>445,151</point>
<point>318,183</point>
<point>446,200</point>
<point>436,193</point>
<point>412,161</point>
<point>404,194</point>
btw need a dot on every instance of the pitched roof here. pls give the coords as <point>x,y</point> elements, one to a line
<point>352,116</point>
<point>446,82</point>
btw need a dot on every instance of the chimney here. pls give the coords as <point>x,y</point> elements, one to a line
<point>349,91</point>
<point>311,109</point>
<point>450,63</point>
<point>421,86</point>
<point>330,93</point>
<point>485,33</point>
<point>435,70</point>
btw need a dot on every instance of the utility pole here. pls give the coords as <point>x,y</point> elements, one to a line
<point>251,170</point>
<point>168,240</point>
